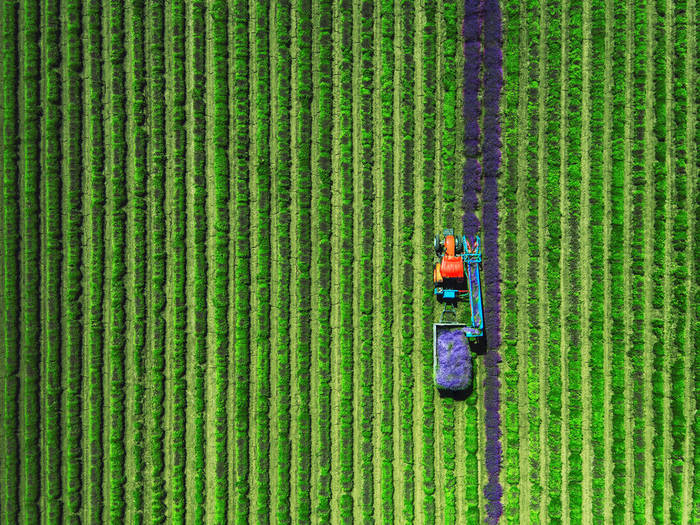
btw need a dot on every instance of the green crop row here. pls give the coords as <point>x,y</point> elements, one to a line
<point>615,257</point>
<point>117,226</point>
<point>179,265</point>
<point>534,367</point>
<point>364,207</point>
<point>595,199</point>
<point>553,249</point>
<point>72,276</point>
<point>95,263</point>
<point>449,75</point>
<point>157,256</point>
<point>11,285</point>
<point>572,264</point>
<point>198,224</point>
<point>406,196</point>
<point>219,250</point>
<point>427,174</point>
<point>323,168</point>
<point>657,271</point>
<point>283,176</point>
<point>304,93</point>
<point>30,266</point>
<point>511,68</point>
<point>344,13</point>
<point>635,344</point>
<point>679,269</point>
<point>263,179</point>
<point>51,270</point>
<point>137,200</point>
<point>386,310</point>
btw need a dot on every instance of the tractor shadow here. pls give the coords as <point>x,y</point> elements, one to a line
<point>457,395</point>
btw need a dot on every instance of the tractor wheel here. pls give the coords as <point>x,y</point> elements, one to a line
<point>437,245</point>
<point>458,244</point>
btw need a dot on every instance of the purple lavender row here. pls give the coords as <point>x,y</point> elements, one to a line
<point>493,82</point>
<point>471,185</point>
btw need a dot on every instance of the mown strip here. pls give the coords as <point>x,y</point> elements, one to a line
<point>283,300</point>
<point>366,298</point>
<point>406,196</point>
<point>219,250</point>
<point>198,259</point>
<point>614,263</point>
<point>573,272</point>
<point>117,297</point>
<point>263,277</point>
<point>177,248</point>
<point>72,245</point>
<point>136,195</point>
<point>30,327</point>
<point>511,68</point>
<point>323,177</point>
<point>303,289</point>
<point>51,267</point>
<point>96,263</point>
<point>595,202</point>
<point>658,243</point>
<point>679,268</point>
<point>157,258</point>
<point>11,283</point>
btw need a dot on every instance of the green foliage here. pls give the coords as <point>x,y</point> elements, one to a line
<point>51,265</point>
<point>30,265</point>
<point>178,269</point>
<point>156,257</point>
<point>406,197</point>
<point>96,265</point>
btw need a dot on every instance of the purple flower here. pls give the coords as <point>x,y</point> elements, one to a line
<point>453,364</point>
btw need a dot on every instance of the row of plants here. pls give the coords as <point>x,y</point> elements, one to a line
<point>178,269</point>
<point>11,270</point>
<point>157,257</point>
<point>137,237</point>
<point>72,273</point>
<point>427,175</point>
<point>658,244</point>
<point>614,261</point>
<point>406,210</point>
<point>324,93</point>
<point>303,99</point>
<point>283,160</point>
<point>530,254</point>
<point>679,271</point>
<point>596,312</point>
<point>365,292</point>
<point>261,158</point>
<point>198,232</point>
<point>491,163</point>
<point>51,267</point>
<point>552,248</point>
<point>448,93</point>
<point>572,265</point>
<point>635,344</point>
<point>117,272</point>
<point>219,250</point>
<point>386,310</point>
<point>93,467</point>
<point>511,68</point>
<point>345,134</point>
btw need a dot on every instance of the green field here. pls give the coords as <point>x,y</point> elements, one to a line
<point>216,229</point>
